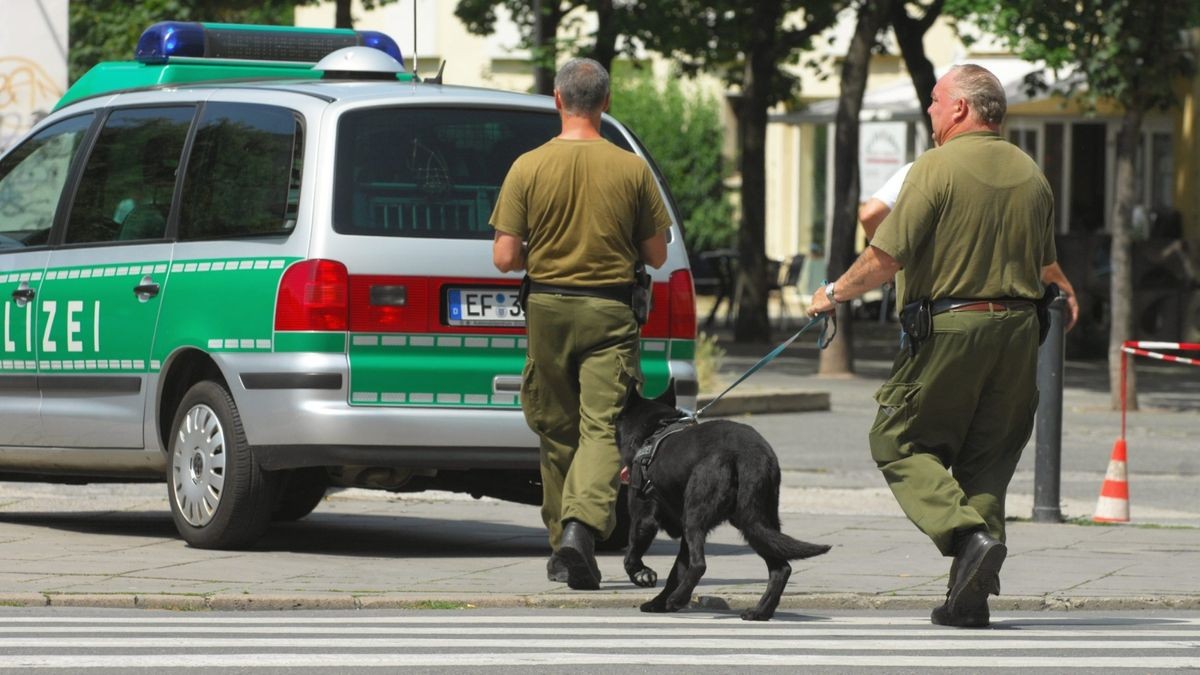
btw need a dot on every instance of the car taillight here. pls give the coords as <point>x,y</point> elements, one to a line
<point>313,295</point>
<point>682,305</point>
<point>673,309</point>
<point>390,304</point>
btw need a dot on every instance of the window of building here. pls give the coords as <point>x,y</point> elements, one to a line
<point>243,176</point>
<point>31,182</point>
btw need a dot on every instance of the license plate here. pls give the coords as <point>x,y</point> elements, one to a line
<point>483,307</point>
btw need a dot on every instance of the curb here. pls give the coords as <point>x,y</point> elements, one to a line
<point>766,401</point>
<point>345,601</point>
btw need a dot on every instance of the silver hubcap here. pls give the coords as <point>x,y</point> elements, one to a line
<point>198,465</point>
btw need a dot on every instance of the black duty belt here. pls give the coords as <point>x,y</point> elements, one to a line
<point>622,293</point>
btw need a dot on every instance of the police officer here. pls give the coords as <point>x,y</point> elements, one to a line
<point>578,213</point>
<point>969,235</point>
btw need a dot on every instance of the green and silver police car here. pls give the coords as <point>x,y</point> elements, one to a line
<point>255,263</point>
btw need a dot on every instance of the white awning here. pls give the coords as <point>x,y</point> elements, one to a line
<point>898,100</point>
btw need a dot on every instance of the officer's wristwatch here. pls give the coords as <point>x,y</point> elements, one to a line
<point>830,288</point>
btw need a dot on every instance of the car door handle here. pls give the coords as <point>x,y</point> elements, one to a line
<point>23,294</point>
<point>146,290</point>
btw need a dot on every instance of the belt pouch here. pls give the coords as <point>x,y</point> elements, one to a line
<point>917,321</point>
<point>523,294</point>
<point>640,297</point>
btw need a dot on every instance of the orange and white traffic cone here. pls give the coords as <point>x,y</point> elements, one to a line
<point>1113,506</point>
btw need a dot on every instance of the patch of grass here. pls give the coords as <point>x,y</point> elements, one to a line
<point>441,604</point>
<point>709,357</point>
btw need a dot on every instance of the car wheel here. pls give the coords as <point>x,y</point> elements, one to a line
<point>299,493</point>
<point>220,497</point>
<point>619,539</point>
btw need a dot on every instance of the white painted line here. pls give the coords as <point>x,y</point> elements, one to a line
<point>793,631</point>
<point>182,642</point>
<point>429,619</point>
<point>556,659</point>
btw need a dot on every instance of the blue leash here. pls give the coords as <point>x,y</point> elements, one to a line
<point>823,341</point>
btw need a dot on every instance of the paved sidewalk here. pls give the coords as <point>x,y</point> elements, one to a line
<point>364,549</point>
<point>115,545</point>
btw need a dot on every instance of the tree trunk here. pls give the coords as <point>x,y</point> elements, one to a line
<point>546,17</point>
<point>753,324</point>
<point>761,67</point>
<point>1121,294</point>
<point>342,17</point>
<point>605,48</point>
<point>838,358</point>
<point>910,34</point>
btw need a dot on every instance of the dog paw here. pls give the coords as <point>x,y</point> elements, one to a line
<point>656,606</point>
<point>755,615</point>
<point>675,604</point>
<point>644,577</point>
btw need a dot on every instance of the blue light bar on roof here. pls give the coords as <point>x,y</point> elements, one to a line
<point>259,43</point>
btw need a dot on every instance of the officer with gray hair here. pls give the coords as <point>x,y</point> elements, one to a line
<point>970,233</point>
<point>579,213</point>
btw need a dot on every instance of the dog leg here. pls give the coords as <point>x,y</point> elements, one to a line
<point>659,603</point>
<point>642,530</point>
<point>693,542</point>
<point>780,571</point>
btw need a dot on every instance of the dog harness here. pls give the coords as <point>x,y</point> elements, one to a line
<point>645,455</point>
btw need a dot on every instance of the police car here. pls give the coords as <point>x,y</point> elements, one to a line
<point>255,277</point>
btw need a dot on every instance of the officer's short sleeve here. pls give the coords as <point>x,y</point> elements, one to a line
<point>1049,253</point>
<point>510,215</point>
<point>652,212</point>
<point>908,225</point>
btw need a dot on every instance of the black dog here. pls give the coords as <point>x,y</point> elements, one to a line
<point>697,478</point>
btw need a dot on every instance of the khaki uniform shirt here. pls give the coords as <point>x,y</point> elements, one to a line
<point>975,219</point>
<point>583,206</point>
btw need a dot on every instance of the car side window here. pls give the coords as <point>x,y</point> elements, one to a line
<point>31,182</point>
<point>243,176</point>
<point>127,184</point>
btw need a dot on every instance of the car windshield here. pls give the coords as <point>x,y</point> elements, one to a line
<point>431,172</point>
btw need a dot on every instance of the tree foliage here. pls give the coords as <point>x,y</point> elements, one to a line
<point>108,30</point>
<point>679,129</point>
<point>749,46</point>
<point>547,34</point>
<point>1131,52</point>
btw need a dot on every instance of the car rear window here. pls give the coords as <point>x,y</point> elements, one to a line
<point>431,172</point>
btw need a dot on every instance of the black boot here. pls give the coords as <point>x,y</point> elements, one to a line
<point>556,568</point>
<point>974,574</point>
<point>578,552</point>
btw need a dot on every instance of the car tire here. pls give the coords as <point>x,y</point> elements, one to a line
<point>220,498</point>
<point>619,539</point>
<point>300,491</point>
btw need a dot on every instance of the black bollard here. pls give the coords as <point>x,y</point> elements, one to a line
<point>1047,473</point>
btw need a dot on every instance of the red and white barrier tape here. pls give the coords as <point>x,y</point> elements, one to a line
<point>1141,348</point>
<point>1180,346</point>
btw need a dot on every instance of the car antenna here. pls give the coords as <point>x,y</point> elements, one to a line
<point>437,79</point>
<point>415,78</point>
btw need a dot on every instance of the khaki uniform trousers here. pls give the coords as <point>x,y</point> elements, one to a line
<point>583,355</point>
<point>953,420</point>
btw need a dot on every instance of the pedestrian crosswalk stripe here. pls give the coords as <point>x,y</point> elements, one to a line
<point>794,631</point>
<point>631,619</point>
<point>575,658</point>
<point>649,642</point>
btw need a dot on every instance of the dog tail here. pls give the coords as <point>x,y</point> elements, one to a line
<point>773,543</point>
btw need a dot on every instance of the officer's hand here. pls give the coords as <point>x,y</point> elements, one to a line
<point>820,303</point>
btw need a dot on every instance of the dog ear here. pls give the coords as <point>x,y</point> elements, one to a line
<point>632,397</point>
<point>668,396</point>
